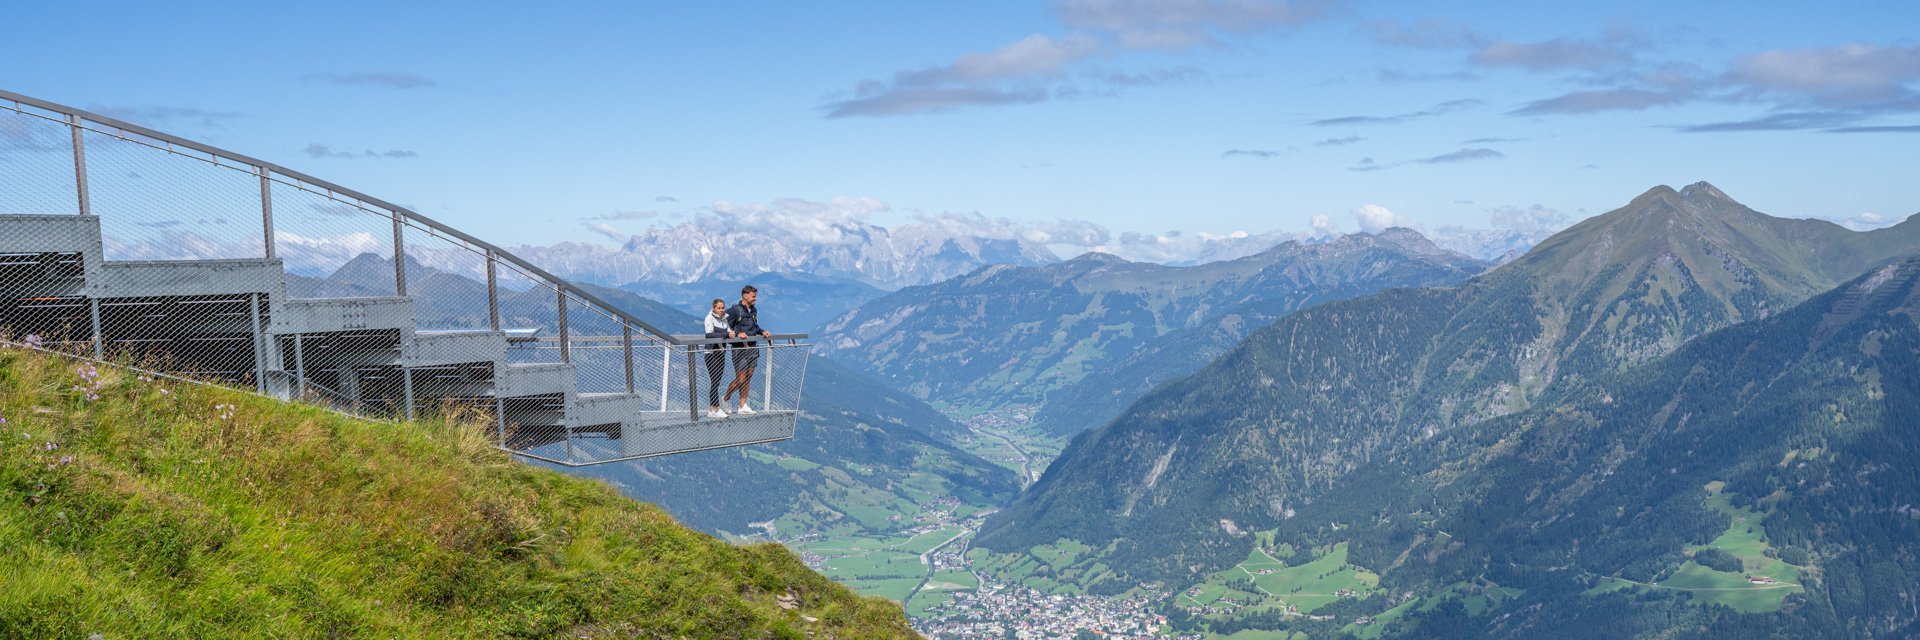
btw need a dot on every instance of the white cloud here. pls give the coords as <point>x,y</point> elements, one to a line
<point>1555,54</point>
<point>1033,55</point>
<point>1179,24</point>
<point>605,230</point>
<point>1180,248</point>
<point>1868,220</point>
<point>1534,218</point>
<point>1847,74</point>
<point>1323,227</point>
<point>1374,218</point>
<point>1035,68</point>
<point>832,222</point>
<point>321,254</point>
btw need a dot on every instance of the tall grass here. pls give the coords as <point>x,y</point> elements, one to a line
<point>140,508</point>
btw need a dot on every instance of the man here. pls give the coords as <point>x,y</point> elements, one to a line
<point>743,321</point>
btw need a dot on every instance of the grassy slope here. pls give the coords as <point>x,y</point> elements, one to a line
<point>174,510</point>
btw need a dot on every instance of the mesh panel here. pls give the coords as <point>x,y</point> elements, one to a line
<point>332,248</point>
<point>159,205</point>
<point>36,163</point>
<point>597,348</point>
<point>447,280</point>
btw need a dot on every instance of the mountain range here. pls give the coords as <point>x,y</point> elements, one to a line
<point>796,303</point>
<point>1081,339</point>
<point>1370,408</point>
<point>849,249</point>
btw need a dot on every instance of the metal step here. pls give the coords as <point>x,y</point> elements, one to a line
<point>533,379</point>
<point>36,233</point>
<point>589,409</point>
<point>49,255</point>
<point>188,278</point>
<point>432,348</point>
<point>327,315</point>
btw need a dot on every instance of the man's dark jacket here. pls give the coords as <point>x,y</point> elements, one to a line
<point>745,319</point>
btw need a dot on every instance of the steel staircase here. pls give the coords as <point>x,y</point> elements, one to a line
<point>561,396</point>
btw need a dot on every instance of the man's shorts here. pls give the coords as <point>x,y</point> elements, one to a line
<point>746,357</point>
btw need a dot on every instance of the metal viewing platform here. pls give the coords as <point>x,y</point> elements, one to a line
<point>118,242</point>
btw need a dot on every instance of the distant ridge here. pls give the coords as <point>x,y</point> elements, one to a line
<point>1096,331</point>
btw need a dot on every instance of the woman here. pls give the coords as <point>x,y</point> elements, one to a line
<point>716,327</point>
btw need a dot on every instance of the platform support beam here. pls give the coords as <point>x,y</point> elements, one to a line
<point>406,389</point>
<point>259,344</point>
<point>299,367</point>
<point>693,390</point>
<point>626,344</point>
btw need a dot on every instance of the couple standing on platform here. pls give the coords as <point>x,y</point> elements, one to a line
<point>738,321</point>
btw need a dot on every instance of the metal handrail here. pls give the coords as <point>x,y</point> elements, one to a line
<point>493,253</point>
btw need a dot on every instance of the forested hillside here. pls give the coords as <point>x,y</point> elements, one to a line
<point>1354,387</point>
<point>1758,481</point>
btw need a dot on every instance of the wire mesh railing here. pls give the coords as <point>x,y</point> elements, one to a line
<point>151,245</point>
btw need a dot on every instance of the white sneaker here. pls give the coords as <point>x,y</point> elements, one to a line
<point>717,414</point>
<point>745,410</point>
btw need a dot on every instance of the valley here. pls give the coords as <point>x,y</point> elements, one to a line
<point>1444,461</point>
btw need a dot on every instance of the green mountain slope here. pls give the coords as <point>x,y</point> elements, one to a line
<point>135,508</point>
<point>1348,386</point>
<point>1649,504</point>
<point>1083,338</point>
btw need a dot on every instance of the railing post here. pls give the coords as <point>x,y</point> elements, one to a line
<point>266,211</point>
<point>666,369</point>
<point>566,349</point>
<point>399,258</point>
<point>493,291</point>
<point>626,343</point>
<point>80,165</point>
<point>766,386</point>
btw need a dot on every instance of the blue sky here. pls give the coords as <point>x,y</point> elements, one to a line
<point>1142,115</point>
